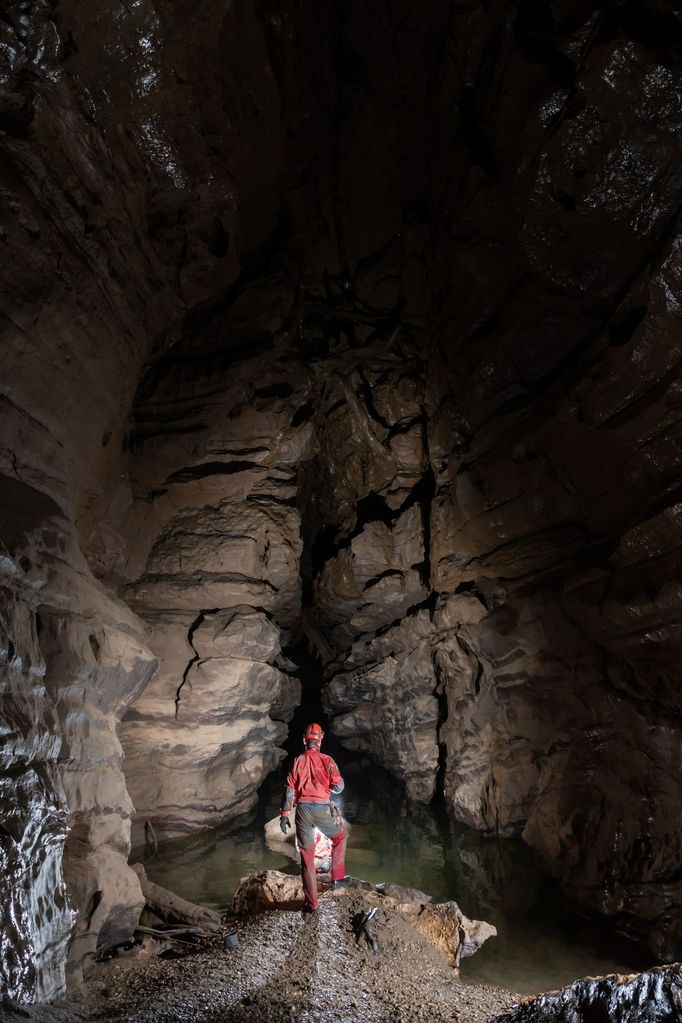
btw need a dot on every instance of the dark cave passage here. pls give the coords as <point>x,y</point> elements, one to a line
<point>309,670</point>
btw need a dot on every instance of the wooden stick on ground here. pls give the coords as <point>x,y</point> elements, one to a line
<point>174,909</point>
<point>171,935</point>
<point>150,839</point>
<point>158,932</point>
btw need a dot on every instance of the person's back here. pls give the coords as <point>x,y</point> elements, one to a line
<point>310,781</point>
<point>313,776</point>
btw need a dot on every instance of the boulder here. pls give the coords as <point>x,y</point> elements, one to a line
<point>271,889</point>
<point>654,996</point>
<point>446,927</point>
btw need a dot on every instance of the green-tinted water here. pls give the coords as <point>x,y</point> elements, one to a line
<point>538,948</point>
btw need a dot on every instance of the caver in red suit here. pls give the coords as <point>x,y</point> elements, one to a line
<point>309,784</point>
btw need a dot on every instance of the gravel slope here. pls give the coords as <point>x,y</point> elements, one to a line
<point>291,967</point>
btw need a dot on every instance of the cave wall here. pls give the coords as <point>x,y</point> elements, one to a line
<point>220,428</point>
<point>362,321</point>
<point>553,439</point>
<point>106,248</point>
<point>75,658</point>
<point>563,406</point>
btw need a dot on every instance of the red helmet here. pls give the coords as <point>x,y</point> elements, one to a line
<point>313,733</point>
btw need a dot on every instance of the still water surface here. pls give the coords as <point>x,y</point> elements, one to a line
<point>539,946</point>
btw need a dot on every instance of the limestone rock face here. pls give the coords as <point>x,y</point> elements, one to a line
<point>374,581</point>
<point>385,703</point>
<point>369,596</point>
<point>214,570</point>
<point>200,740</point>
<point>96,229</point>
<point>304,334</point>
<point>540,673</point>
<point>74,658</point>
<point>553,508</point>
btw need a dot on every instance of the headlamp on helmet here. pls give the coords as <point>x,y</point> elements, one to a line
<point>313,734</point>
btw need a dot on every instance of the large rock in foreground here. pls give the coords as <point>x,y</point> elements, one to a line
<point>271,889</point>
<point>651,997</point>
<point>443,925</point>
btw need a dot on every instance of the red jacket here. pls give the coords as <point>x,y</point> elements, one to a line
<point>310,779</point>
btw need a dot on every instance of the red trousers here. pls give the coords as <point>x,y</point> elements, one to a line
<point>308,817</point>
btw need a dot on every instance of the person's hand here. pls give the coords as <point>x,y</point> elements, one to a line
<point>284,824</point>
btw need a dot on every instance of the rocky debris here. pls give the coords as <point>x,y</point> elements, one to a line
<point>443,925</point>
<point>171,908</point>
<point>288,966</point>
<point>651,997</point>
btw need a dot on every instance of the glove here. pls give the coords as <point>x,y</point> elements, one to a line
<point>284,824</point>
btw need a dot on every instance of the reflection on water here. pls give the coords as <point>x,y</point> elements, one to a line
<point>538,948</point>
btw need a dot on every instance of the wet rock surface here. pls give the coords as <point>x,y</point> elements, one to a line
<point>76,657</point>
<point>651,997</point>
<point>203,736</point>
<point>214,570</point>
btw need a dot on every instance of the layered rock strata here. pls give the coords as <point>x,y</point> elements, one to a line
<point>107,122</point>
<point>214,570</point>
<point>207,731</point>
<point>551,402</point>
